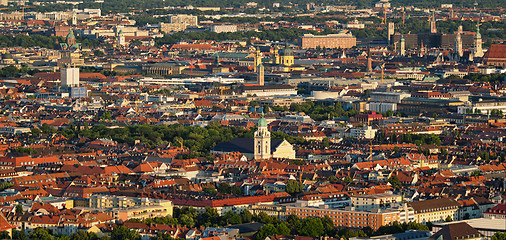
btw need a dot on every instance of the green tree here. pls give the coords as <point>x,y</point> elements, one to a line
<point>98,53</point>
<point>19,235</point>
<point>312,227</point>
<point>294,187</point>
<point>41,234</point>
<point>161,236</point>
<point>19,209</point>
<point>224,188</point>
<point>246,216</point>
<point>395,182</point>
<point>210,190</point>
<point>82,235</point>
<point>498,236</point>
<point>326,143</point>
<point>448,219</point>
<point>328,226</point>
<point>123,233</point>
<point>232,218</point>
<point>4,235</point>
<point>186,220</point>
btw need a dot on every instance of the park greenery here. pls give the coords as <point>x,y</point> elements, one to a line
<point>118,6</point>
<point>272,35</point>
<point>36,40</point>
<point>490,78</point>
<point>317,111</point>
<point>26,41</point>
<point>199,140</point>
<point>13,71</point>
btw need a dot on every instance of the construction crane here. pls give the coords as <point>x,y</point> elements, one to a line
<point>23,10</point>
<point>223,88</point>
<point>136,107</point>
<point>382,72</point>
<point>384,20</point>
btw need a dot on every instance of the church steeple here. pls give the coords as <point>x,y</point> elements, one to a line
<point>458,43</point>
<point>403,46</point>
<point>478,51</point>
<point>262,140</point>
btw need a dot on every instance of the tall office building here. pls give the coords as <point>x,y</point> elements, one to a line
<point>391,30</point>
<point>69,77</point>
<point>260,75</point>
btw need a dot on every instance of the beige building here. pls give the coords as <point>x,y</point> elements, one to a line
<point>179,23</point>
<point>435,210</point>
<point>124,208</point>
<point>223,28</point>
<point>340,40</point>
<point>165,68</point>
<point>165,208</point>
<point>374,201</point>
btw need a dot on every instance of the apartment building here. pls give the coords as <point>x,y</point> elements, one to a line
<point>435,210</point>
<point>375,201</point>
<point>331,41</point>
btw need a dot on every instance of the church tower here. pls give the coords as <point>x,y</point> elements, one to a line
<point>369,60</point>
<point>458,43</point>
<point>121,38</point>
<point>287,56</point>
<point>262,140</point>
<point>432,20</point>
<point>74,19</point>
<point>478,51</point>
<point>403,46</point>
<point>71,38</point>
<point>275,59</point>
<point>258,59</point>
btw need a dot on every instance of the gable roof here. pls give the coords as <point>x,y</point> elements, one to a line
<point>455,231</point>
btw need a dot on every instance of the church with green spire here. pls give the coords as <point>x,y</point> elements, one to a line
<point>260,147</point>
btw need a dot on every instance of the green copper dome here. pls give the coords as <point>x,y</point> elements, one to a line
<point>71,34</point>
<point>262,122</point>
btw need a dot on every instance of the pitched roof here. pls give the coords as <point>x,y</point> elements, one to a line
<point>242,145</point>
<point>432,204</point>
<point>455,231</point>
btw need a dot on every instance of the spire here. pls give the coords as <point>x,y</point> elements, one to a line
<point>432,20</point>
<point>478,51</point>
<point>403,46</point>
<point>369,59</point>
<point>478,34</point>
